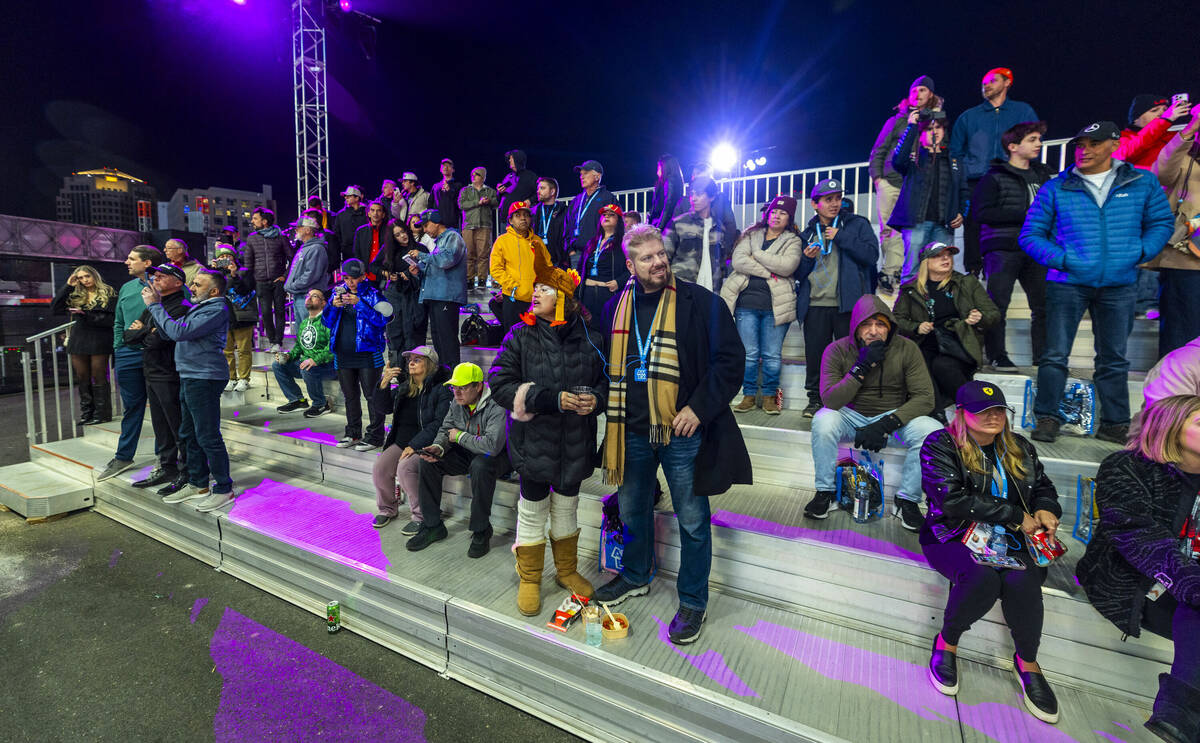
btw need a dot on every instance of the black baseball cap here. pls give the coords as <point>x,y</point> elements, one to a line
<point>978,395</point>
<point>354,268</point>
<point>1098,132</point>
<point>934,248</point>
<point>429,215</point>
<point>170,269</point>
<point>590,165</point>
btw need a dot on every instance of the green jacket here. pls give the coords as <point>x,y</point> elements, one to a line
<point>969,294</point>
<point>312,342</point>
<point>130,307</point>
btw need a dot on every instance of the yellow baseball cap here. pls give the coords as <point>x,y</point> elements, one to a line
<point>464,374</point>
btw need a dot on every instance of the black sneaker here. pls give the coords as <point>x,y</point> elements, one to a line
<point>425,537</point>
<point>381,520</point>
<point>910,514</point>
<point>156,477</point>
<point>943,670</point>
<point>1047,430</point>
<point>481,543</point>
<point>885,284</point>
<point>617,590</point>
<point>174,486</point>
<point>1003,363</point>
<point>821,505</point>
<point>411,528</point>
<point>315,410</point>
<point>1116,433</point>
<point>1039,697</point>
<point>293,406</point>
<point>811,410</point>
<point>685,627</point>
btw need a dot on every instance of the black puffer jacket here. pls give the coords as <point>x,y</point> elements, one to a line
<point>1002,198</point>
<point>1143,505</point>
<point>432,404</point>
<point>554,447</point>
<point>957,496</point>
<point>267,254</point>
<point>917,164</point>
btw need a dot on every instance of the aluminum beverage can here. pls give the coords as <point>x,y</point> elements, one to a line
<point>333,616</point>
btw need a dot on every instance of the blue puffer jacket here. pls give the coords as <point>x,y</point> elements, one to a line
<point>199,338</point>
<point>1088,244</point>
<point>858,252</point>
<point>444,270</point>
<point>370,317</point>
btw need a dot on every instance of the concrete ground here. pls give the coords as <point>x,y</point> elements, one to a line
<point>107,635</point>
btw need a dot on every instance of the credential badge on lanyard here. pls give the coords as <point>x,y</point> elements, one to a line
<point>642,373</point>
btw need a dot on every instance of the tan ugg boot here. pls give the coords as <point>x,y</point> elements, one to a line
<point>749,402</point>
<point>531,558</point>
<point>566,563</point>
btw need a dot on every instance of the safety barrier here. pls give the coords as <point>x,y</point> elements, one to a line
<point>34,368</point>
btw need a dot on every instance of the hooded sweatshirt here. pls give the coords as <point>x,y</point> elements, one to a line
<point>900,383</point>
<point>483,425</point>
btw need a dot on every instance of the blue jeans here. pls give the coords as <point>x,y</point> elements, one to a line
<point>1111,309</point>
<point>763,340</point>
<point>636,498</point>
<point>200,433</point>
<point>832,427</point>
<point>917,237</point>
<point>1179,322</point>
<point>132,384</point>
<point>314,377</point>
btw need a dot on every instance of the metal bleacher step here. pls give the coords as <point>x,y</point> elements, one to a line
<point>37,492</point>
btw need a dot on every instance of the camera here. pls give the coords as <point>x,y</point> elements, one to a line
<point>926,115</point>
<point>222,263</point>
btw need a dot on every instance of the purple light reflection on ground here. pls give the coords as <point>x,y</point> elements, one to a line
<point>313,522</point>
<point>310,435</point>
<point>277,689</point>
<point>843,537</point>
<point>112,559</point>
<point>1122,725</point>
<point>710,663</point>
<point>904,683</point>
<point>197,607</point>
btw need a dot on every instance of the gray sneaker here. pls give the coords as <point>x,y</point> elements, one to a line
<point>114,468</point>
<point>191,492</point>
<point>411,528</point>
<point>214,501</point>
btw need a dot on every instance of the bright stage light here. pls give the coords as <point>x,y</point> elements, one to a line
<point>345,5</point>
<point>761,161</point>
<point>723,157</point>
<point>239,2</point>
<point>749,165</point>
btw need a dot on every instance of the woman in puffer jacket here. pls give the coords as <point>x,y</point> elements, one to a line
<point>978,475</point>
<point>762,297</point>
<point>543,363</point>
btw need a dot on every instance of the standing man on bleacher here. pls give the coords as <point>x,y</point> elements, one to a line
<point>127,360</point>
<point>874,384</point>
<point>1091,226</point>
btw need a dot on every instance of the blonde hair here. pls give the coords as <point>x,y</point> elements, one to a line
<point>923,279</point>
<point>639,235</point>
<point>414,387</point>
<point>1012,454</point>
<point>83,299</point>
<point>1162,427</point>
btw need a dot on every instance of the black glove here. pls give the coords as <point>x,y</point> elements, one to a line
<point>869,357</point>
<point>873,436</point>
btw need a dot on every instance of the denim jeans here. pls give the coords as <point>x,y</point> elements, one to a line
<point>832,427</point>
<point>200,433</point>
<point>314,377</point>
<point>763,340</point>
<point>636,498</point>
<point>131,382</point>
<point>915,238</point>
<point>1179,322</point>
<point>1111,309</point>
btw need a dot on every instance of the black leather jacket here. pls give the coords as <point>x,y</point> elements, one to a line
<point>958,496</point>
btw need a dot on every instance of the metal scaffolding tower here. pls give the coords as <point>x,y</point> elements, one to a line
<point>312,109</point>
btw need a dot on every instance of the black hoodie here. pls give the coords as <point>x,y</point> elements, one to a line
<point>519,184</point>
<point>158,360</point>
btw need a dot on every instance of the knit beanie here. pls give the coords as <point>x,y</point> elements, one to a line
<point>1143,103</point>
<point>925,80</point>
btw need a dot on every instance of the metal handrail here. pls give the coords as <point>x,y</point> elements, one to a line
<point>50,332</point>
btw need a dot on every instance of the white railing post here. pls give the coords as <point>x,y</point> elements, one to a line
<point>27,377</point>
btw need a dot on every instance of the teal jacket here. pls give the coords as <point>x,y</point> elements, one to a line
<point>129,308</point>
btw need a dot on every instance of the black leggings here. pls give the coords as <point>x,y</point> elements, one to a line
<point>974,589</point>
<point>948,374</point>
<point>1180,623</point>
<point>91,369</point>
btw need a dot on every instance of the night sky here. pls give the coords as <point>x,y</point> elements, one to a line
<point>199,92</point>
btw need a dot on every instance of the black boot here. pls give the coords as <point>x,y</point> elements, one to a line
<point>102,402</point>
<point>1176,715</point>
<point>86,404</point>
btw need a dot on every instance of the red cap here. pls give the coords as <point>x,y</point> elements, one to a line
<point>611,208</point>
<point>517,206</point>
<point>1004,71</point>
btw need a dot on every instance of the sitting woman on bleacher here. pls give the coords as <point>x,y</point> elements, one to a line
<point>1141,570</point>
<point>945,312</point>
<point>980,477</point>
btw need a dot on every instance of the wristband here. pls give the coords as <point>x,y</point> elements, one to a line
<point>859,372</point>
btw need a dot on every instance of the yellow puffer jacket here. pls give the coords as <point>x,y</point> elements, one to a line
<point>515,261</point>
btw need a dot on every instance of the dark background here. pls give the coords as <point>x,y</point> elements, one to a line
<point>198,93</point>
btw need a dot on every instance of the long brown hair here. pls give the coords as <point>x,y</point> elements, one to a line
<point>1013,455</point>
<point>1162,424</point>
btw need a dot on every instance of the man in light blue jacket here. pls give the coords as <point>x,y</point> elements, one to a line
<point>443,282</point>
<point>1091,226</point>
<point>310,266</point>
<point>203,372</point>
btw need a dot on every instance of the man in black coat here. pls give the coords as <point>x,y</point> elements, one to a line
<point>583,213</point>
<point>374,244</point>
<point>548,219</point>
<point>345,224</point>
<point>694,436</point>
<point>445,194</point>
<point>998,205</point>
<point>519,184</point>
<point>267,255</point>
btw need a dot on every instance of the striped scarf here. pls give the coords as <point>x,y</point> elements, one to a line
<point>663,376</point>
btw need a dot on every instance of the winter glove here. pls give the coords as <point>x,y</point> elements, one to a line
<point>869,357</point>
<point>873,436</point>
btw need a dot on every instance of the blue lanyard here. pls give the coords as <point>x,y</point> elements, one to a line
<point>643,348</point>
<point>545,220</point>
<point>821,235</point>
<point>1000,491</point>
<point>596,256</point>
<point>579,214</point>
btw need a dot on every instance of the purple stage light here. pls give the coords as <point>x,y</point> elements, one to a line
<point>345,5</point>
<point>239,2</point>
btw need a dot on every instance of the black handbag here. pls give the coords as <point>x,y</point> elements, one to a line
<point>949,344</point>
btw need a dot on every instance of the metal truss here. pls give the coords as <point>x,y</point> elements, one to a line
<point>311,101</point>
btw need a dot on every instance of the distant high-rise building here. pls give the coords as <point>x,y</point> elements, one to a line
<point>107,197</point>
<point>209,210</point>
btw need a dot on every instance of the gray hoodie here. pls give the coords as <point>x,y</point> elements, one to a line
<point>310,268</point>
<point>484,426</point>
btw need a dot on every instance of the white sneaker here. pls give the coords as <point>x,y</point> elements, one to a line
<point>229,387</point>
<point>274,348</point>
<point>242,385</point>
<point>364,446</point>
<point>214,501</point>
<point>346,442</point>
<point>191,492</point>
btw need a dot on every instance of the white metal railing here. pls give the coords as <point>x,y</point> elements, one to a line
<point>34,371</point>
